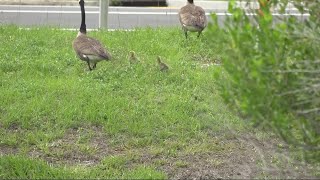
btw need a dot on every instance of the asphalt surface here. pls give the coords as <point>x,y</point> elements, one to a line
<point>119,17</point>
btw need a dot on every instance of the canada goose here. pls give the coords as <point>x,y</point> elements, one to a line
<point>162,65</point>
<point>192,18</point>
<point>133,58</point>
<point>87,48</point>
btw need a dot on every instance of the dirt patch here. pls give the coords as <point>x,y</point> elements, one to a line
<point>8,147</point>
<point>5,150</point>
<point>248,158</point>
<point>81,146</point>
<point>206,61</point>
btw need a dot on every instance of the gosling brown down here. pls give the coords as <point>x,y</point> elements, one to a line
<point>162,65</point>
<point>133,58</point>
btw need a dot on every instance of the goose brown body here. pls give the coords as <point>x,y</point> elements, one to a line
<point>87,48</point>
<point>90,50</point>
<point>192,18</point>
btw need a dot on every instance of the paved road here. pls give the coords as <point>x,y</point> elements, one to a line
<point>119,17</point>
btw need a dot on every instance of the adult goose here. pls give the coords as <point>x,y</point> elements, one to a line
<point>88,49</point>
<point>192,18</point>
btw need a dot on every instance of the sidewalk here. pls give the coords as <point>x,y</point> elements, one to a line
<point>206,4</point>
<point>48,2</point>
<point>222,6</point>
<point>217,5</point>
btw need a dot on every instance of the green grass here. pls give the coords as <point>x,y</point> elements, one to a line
<point>24,168</point>
<point>59,120</point>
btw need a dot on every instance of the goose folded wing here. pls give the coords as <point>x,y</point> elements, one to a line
<point>200,22</point>
<point>193,18</point>
<point>200,14</point>
<point>188,19</point>
<point>90,46</point>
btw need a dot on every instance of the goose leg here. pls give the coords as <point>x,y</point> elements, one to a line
<point>94,65</point>
<point>186,34</point>
<point>199,33</point>
<point>89,66</point>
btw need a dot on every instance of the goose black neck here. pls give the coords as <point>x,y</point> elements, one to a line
<point>190,1</point>
<point>83,27</point>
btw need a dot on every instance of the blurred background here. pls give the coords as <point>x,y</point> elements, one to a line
<point>122,14</point>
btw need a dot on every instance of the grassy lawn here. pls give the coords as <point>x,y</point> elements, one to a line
<point>122,120</point>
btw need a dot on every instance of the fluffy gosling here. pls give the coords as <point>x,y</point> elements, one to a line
<point>133,58</point>
<point>162,65</point>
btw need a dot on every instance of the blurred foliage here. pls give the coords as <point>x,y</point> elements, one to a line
<point>273,69</point>
<point>310,6</point>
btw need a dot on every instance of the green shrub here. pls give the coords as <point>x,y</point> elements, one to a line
<point>273,73</point>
